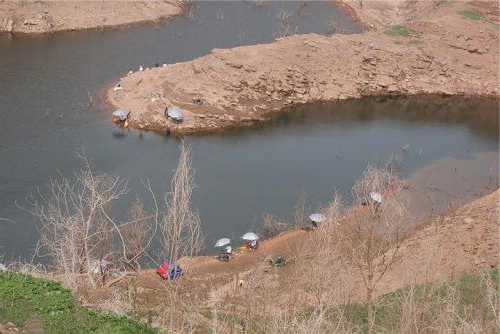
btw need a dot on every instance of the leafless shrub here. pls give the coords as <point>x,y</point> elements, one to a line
<point>300,217</point>
<point>190,9</point>
<point>32,269</point>
<point>180,314</point>
<point>272,226</point>
<point>318,263</point>
<point>75,228</point>
<point>491,297</point>
<point>334,211</point>
<point>117,302</point>
<point>370,237</point>
<point>334,27</point>
<point>443,308</point>
<point>284,18</point>
<point>181,225</point>
<point>137,234</point>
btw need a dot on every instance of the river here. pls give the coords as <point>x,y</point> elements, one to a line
<point>50,113</point>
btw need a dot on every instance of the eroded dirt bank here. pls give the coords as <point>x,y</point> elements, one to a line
<point>411,48</point>
<point>50,16</point>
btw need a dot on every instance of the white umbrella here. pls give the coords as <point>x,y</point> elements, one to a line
<point>250,236</point>
<point>175,113</point>
<point>317,217</point>
<point>376,197</point>
<point>121,114</point>
<point>222,242</point>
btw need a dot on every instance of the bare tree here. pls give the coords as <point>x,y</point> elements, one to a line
<point>137,234</point>
<point>181,225</point>
<point>285,23</point>
<point>371,233</point>
<point>75,229</point>
<point>299,215</point>
<point>272,226</point>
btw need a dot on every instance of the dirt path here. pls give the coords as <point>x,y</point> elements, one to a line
<point>417,47</point>
<point>33,17</point>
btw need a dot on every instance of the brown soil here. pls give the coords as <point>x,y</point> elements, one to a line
<point>34,17</point>
<point>463,241</point>
<point>444,53</point>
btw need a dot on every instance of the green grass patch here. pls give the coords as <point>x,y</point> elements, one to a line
<point>468,295</point>
<point>23,297</point>
<point>399,30</point>
<point>471,15</point>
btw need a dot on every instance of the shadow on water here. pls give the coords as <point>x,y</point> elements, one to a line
<point>479,115</point>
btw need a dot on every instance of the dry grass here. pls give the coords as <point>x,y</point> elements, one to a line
<point>329,285</point>
<point>467,305</point>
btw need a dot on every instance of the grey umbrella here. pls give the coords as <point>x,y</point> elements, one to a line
<point>250,236</point>
<point>175,113</point>
<point>121,114</point>
<point>317,217</point>
<point>376,197</point>
<point>222,242</point>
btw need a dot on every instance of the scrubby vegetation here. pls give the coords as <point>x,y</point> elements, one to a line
<point>331,283</point>
<point>399,30</point>
<point>466,305</point>
<point>87,246</point>
<point>472,15</point>
<point>24,297</point>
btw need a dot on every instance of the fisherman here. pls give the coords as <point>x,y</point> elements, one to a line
<point>226,250</point>
<point>251,240</point>
<point>169,271</point>
<point>375,200</point>
<point>252,244</point>
<point>316,219</point>
<point>314,224</point>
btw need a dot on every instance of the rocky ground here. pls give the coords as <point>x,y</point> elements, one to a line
<point>49,16</point>
<point>410,47</point>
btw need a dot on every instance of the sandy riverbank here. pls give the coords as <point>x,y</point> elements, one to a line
<point>34,17</point>
<point>430,47</point>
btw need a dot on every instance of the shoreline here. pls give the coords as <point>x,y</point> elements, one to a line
<point>462,240</point>
<point>260,80</point>
<point>47,17</point>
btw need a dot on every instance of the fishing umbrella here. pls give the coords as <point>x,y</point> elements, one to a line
<point>376,197</point>
<point>175,113</point>
<point>250,236</point>
<point>222,242</point>
<point>121,114</point>
<point>317,217</point>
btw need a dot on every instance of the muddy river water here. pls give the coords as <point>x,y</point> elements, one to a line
<point>50,112</point>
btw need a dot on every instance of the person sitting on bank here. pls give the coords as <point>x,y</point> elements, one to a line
<point>252,244</point>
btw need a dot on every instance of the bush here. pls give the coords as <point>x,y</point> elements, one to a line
<point>471,15</point>
<point>399,30</point>
<point>23,297</point>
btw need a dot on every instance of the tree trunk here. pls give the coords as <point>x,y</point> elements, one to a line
<point>369,303</point>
